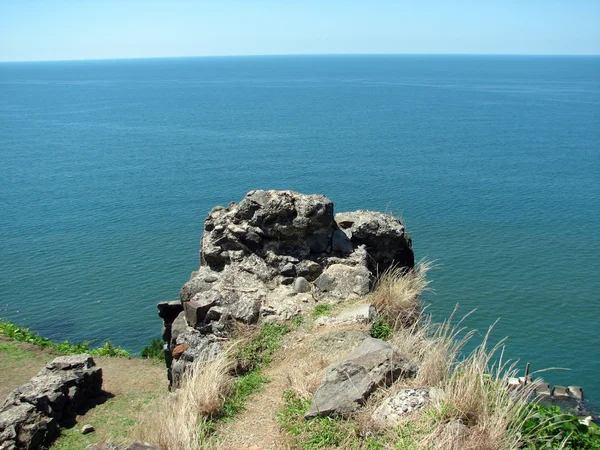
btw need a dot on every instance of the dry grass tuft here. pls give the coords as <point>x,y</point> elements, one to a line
<point>433,346</point>
<point>306,376</point>
<point>178,421</point>
<point>483,409</point>
<point>397,295</point>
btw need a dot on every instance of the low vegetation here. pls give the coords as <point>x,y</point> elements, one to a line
<point>22,334</point>
<point>154,350</point>
<point>397,295</point>
<point>212,392</point>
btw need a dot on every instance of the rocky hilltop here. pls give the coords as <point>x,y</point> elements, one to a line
<point>270,257</point>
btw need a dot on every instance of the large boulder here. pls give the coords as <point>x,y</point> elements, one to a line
<point>31,415</point>
<point>348,383</point>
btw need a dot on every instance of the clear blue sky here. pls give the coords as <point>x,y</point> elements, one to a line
<point>91,29</point>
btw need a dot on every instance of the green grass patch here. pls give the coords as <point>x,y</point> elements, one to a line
<point>23,334</point>
<point>549,427</point>
<point>259,351</point>
<point>113,420</point>
<point>243,387</point>
<point>322,310</point>
<point>252,358</point>
<point>382,329</point>
<point>154,350</point>
<point>321,432</point>
<point>12,354</point>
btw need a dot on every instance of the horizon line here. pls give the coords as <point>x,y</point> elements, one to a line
<point>125,58</point>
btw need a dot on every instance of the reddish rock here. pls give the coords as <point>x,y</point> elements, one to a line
<point>178,350</point>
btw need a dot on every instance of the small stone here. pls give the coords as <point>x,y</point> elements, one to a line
<point>211,278</point>
<point>287,281</point>
<point>288,270</point>
<point>301,285</point>
<point>87,429</point>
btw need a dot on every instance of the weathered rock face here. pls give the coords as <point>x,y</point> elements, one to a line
<point>31,414</point>
<point>382,235</point>
<point>284,223</point>
<point>348,383</point>
<point>404,402</point>
<point>271,256</point>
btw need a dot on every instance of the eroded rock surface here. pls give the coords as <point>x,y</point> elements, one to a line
<point>403,402</point>
<point>31,415</point>
<point>270,257</point>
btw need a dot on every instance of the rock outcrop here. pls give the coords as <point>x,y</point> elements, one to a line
<point>348,383</point>
<point>31,414</point>
<point>270,257</point>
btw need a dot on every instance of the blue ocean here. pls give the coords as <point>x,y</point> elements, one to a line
<point>109,168</point>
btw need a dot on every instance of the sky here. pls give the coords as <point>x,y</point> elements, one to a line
<point>32,30</point>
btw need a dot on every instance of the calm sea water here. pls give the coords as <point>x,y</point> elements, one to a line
<point>108,169</point>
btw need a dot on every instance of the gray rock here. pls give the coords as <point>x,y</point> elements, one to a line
<point>288,270</point>
<point>178,327</point>
<point>86,429</point>
<point>405,401</point>
<point>283,221</point>
<point>30,415</point>
<point>383,236</point>
<point>349,383</point>
<point>341,243</point>
<point>361,313</point>
<point>197,284</point>
<point>243,306</point>
<point>137,445</point>
<point>198,306</point>
<point>301,285</point>
<point>309,269</point>
<point>340,281</point>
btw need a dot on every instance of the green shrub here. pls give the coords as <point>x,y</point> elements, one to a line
<point>23,334</point>
<point>381,329</point>
<point>154,350</point>
<point>549,427</point>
